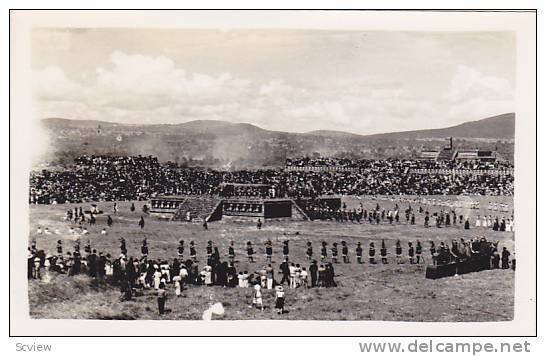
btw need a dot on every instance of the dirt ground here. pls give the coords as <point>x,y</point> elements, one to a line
<point>364,292</point>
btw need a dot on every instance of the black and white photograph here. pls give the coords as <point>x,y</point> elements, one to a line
<point>208,172</point>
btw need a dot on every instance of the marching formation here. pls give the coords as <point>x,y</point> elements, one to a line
<point>135,275</point>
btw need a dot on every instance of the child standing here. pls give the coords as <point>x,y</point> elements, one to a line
<point>257,298</point>
<point>177,287</point>
<point>279,300</point>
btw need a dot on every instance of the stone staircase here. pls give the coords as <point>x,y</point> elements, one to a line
<point>199,208</point>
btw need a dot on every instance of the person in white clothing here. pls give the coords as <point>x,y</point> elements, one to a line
<point>177,286</point>
<point>257,298</point>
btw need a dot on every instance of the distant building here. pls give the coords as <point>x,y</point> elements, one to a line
<point>448,153</point>
<point>475,155</point>
<point>429,155</point>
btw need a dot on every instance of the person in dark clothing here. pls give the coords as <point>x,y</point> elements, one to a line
<point>418,251</point>
<point>383,252</point>
<point>344,252</point>
<point>231,252</point>
<point>193,252</point>
<point>334,252</point>
<point>466,224</point>
<point>411,253</point>
<point>309,251</point>
<point>92,263</point>
<point>101,264</point>
<point>180,249</point>
<point>505,256</point>
<point>313,269</point>
<point>132,207</point>
<point>250,252</point>
<point>329,275</point>
<point>161,298</point>
<point>221,274</point>
<point>122,246</point>
<point>109,221</point>
<point>285,250</point>
<point>141,222</point>
<point>371,253</point>
<point>144,249</point>
<point>175,267</point>
<point>59,247</point>
<point>358,252</point>
<point>232,275</point>
<point>398,252</point>
<point>285,270</point>
<point>268,251</point>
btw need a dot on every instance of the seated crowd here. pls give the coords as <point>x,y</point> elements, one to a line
<point>111,178</point>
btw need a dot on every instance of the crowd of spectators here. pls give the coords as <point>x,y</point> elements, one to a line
<point>111,178</point>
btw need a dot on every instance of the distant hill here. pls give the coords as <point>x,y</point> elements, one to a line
<point>499,127</point>
<point>224,144</point>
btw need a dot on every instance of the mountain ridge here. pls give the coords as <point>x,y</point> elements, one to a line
<point>219,143</point>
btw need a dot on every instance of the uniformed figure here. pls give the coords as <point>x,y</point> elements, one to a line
<point>398,251</point>
<point>259,224</point>
<point>193,252</point>
<point>411,253</point>
<point>209,251</point>
<point>285,250</point>
<point>250,252</point>
<point>323,252</point>
<point>383,252</point>
<point>144,248</point>
<point>231,252</point>
<point>268,251</point>
<point>345,252</point>
<point>180,249</point>
<point>505,258</point>
<point>433,252</point>
<point>60,247</point>
<point>358,252</point>
<point>371,253</point>
<point>334,252</point>
<point>122,247</point>
<point>418,251</point>
<point>309,251</point>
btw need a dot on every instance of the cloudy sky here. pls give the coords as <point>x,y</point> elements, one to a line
<point>289,80</point>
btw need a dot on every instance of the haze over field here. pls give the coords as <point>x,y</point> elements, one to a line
<point>219,143</point>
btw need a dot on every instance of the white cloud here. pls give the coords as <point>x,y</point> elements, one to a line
<point>135,88</point>
<point>473,95</point>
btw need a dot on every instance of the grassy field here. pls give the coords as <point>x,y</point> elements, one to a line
<point>364,292</point>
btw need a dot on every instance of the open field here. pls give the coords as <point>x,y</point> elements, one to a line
<point>364,292</point>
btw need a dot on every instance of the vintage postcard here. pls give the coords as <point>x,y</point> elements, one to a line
<point>371,168</point>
